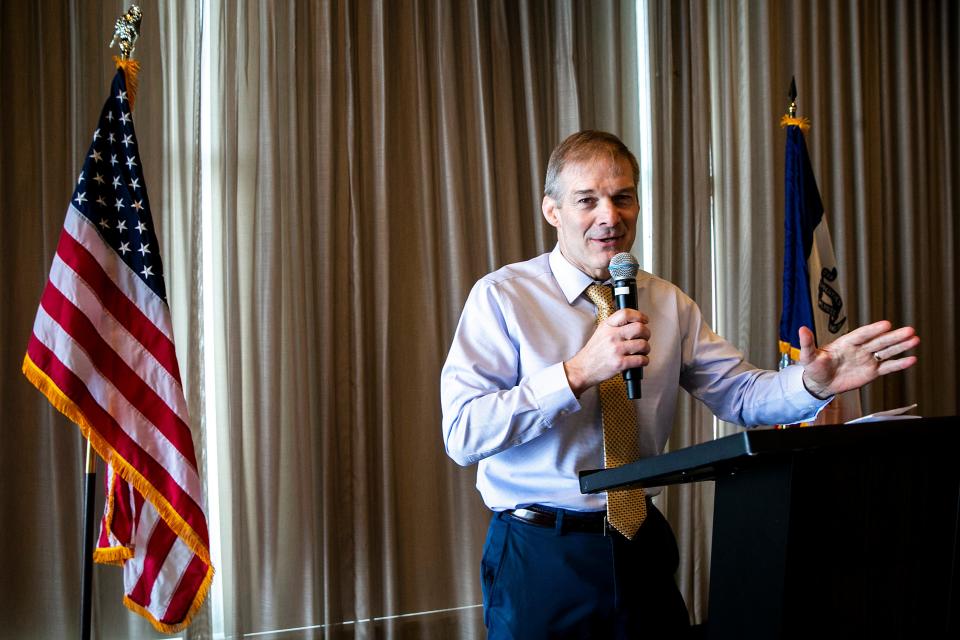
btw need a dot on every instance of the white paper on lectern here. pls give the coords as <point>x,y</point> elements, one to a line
<point>890,414</point>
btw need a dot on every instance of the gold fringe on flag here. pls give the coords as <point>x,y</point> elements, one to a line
<point>787,121</point>
<point>66,406</point>
<point>194,607</point>
<point>112,555</point>
<point>131,69</point>
<point>790,350</point>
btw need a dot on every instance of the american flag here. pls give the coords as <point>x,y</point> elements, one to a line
<point>102,352</point>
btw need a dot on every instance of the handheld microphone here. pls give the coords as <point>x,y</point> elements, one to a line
<point>623,271</point>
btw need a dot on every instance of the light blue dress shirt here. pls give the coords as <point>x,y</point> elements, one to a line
<point>507,404</point>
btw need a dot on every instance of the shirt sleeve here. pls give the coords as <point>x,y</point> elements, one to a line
<point>486,406</point>
<point>716,373</point>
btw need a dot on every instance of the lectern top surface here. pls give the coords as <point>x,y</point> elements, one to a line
<point>704,461</point>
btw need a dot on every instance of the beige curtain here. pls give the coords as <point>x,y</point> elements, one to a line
<point>363,164</point>
<point>371,161</point>
<point>879,82</point>
<point>682,227</point>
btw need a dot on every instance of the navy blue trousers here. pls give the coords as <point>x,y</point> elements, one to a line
<point>541,582</point>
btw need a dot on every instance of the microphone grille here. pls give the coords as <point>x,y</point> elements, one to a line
<point>624,266</point>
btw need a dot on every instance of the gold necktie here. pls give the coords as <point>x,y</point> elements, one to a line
<point>626,508</point>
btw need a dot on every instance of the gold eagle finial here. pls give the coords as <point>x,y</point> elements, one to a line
<point>126,30</point>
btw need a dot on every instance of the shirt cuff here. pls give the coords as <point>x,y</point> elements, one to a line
<point>798,396</point>
<point>552,393</point>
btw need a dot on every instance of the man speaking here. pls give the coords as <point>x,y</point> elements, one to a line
<point>532,392</point>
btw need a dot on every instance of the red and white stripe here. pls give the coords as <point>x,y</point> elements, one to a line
<point>104,339</point>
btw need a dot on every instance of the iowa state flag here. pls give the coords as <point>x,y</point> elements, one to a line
<point>102,352</point>
<point>812,292</point>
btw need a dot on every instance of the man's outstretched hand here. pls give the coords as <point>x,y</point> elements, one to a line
<point>855,359</point>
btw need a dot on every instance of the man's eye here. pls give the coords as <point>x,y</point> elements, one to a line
<point>585,201</point>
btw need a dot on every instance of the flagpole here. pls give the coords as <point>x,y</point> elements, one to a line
<point>86,592</point>
<point>126,30</point>
<point>791,114</point>
<point>792,109</point>
<point>813,293</point>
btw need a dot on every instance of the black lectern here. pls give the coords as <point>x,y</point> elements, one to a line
<point>846,531</point>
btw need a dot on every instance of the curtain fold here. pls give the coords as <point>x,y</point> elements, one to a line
<point>876,81</point>
<point>683,253</point>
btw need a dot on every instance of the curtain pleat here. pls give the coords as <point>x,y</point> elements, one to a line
<point>682,191</point>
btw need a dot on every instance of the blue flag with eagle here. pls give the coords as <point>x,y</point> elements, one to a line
<point>812,292</point>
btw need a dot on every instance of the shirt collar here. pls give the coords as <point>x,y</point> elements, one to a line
<point>572,281</point>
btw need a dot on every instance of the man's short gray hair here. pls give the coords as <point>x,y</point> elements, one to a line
<point>581,146</point>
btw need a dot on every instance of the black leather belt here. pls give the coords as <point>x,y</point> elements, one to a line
<point>584,522</point>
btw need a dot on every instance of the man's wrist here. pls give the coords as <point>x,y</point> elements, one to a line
<point>574,378</point>
<point>817,391</point>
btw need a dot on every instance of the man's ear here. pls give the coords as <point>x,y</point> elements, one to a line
<point>549,208</point>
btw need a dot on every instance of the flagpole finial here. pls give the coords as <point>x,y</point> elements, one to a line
<point>126,30</point>
<point>792,109</point>
<point>790,118</point>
